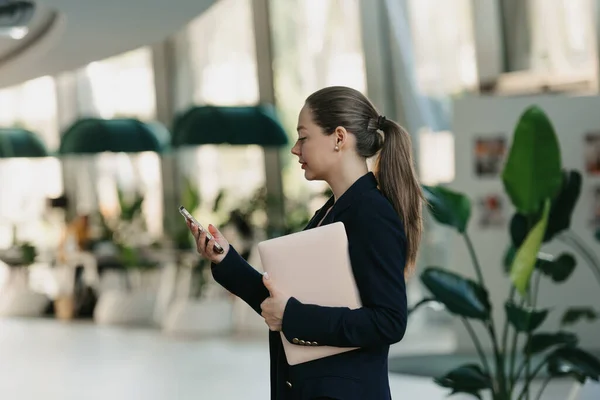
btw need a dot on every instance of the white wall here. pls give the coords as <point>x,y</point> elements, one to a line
<point>572,118</point>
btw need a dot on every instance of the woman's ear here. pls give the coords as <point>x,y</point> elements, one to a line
<point>341,136</point>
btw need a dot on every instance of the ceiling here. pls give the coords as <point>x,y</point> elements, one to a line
<point>68,34</point>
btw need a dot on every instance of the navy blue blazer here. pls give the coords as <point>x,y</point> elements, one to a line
<point>377,247</point>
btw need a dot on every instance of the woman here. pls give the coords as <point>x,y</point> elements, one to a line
<point>338,130</point>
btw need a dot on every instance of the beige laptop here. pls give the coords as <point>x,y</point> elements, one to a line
<point>314,267</point>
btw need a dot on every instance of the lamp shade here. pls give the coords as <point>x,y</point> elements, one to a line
<point>229,125</point>
<point>17,142</point>
<point>127,135</point>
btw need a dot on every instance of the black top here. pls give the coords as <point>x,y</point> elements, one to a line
<point>377,247</point>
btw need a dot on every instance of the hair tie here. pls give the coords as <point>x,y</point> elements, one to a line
<point>380,122</point>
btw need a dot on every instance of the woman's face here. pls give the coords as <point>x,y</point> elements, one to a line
<point>315,150</point>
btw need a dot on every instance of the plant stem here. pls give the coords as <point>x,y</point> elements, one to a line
<point>506,322</point>
<point>525,389</point>
<point>513,352</point>
<point>500,370</point>
<point>486,366</point>
<point>474,258</point>
<point>546,382</point>
<point>501,374</point>
<point>580,245</point>
<point>420,303</point>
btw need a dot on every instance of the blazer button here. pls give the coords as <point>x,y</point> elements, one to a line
<point>288,383</point>
<point>315,343</point>
<point>302,342</point>
<point>295,341</point>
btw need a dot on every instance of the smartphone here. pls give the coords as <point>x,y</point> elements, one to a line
<point>186,214</point>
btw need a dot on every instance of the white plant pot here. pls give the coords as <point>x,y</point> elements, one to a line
<point>118,307</point>
<point>22,302</point>
<point>17,299</point>
<point>199,317</point>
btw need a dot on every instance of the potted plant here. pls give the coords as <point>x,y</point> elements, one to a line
<point>16,297</point>
<point>132,303</point>
<point>195,309</point>
<point>544,196</point>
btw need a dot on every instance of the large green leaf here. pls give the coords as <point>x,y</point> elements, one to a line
<point>467,378</point>
<point>509,256</point>
<point>561,210</point>
<point>558,269</point>
<point>541,342</point>
<point>573,315</point>
<point>532,172</point>
<point>524,262</point>
<point>563,204</point>
<point>574,362</point>
<point>522,319</point>
<point>460,295</point>
<point>448,207</point>
<point>519,228</point>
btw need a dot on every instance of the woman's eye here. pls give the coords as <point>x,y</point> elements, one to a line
<point>301,139</point>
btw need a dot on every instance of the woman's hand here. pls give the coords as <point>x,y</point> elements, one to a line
<point>274,306</point>
<point>206,249</point>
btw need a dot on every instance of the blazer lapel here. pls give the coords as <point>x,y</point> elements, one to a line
<point>363,184</point>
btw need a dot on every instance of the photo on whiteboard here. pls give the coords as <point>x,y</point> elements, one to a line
<point>592,153</point>
<point>595,208</point>
<point>491,211</point>
<point>489,155</point>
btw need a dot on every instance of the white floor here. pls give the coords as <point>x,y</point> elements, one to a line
<point>47,359</point>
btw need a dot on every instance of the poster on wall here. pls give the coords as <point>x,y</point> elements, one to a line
<point>489,154</point>
<point>592,153</point>
<point>491,211</point>
<point>595,207</point>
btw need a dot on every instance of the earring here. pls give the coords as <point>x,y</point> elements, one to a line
<point>337,148</point>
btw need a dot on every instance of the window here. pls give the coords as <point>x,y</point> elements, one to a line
<point>316,43</point>
<point>123,86</point>
<point>27,183</point>
<point>216,57</point>
<point>26,186</point>
<point>444,46</point>
<point>118,87</point>
<point>549,45</point>
<point>222,55</point>
<point>562,35</point>
<point>32,106</point>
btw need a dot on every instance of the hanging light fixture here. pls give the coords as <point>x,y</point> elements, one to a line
<point>15,17</point>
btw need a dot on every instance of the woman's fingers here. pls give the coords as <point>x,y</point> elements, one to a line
<point>201,242</point>
<point>206,248</point>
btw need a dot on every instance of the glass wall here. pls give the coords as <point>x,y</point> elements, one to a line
<point>27,183</point>
<point>123,86</point>
<point>216,51</point>
<point>444,46</point>
<point>118,87</point>
<point>316,43</point>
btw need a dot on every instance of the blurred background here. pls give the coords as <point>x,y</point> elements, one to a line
<point>114,113</point>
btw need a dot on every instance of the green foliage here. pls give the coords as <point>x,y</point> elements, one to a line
<point>461,296</point>
<point>532,173</point>
<point>448,207</point>
<point>28,253</point>
<point>525,259</point>
<point>576,314</point>
<point>470,379</point>
<point>544,197</point>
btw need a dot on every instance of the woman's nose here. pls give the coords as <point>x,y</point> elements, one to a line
<point>295,150</point>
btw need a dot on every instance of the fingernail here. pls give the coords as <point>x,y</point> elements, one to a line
<point>266,275</point>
